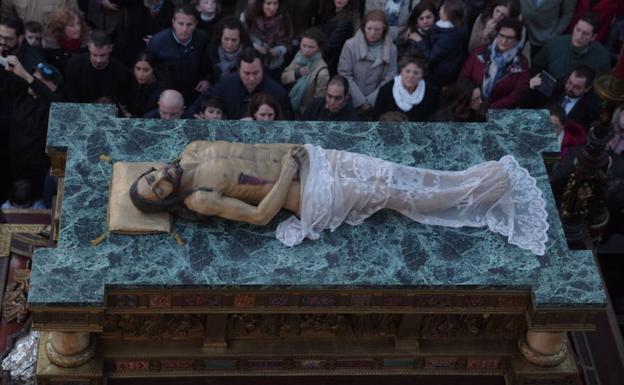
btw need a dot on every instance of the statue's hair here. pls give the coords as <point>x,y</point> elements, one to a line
<point>174,203</point>
<point>152,206</point>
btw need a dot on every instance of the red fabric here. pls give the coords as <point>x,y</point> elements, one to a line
<point>508,91</point>
<point>69,44</point>
<point>606,11</point>
<point>574,134</point>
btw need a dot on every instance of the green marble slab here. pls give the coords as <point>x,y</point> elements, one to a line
<point>387,251</point>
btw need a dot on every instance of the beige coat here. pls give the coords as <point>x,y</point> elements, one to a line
<point>33,10</point>
<point>366,76</point>
<point>319,77</point>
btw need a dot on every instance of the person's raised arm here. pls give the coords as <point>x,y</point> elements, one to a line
<point>212,203</point>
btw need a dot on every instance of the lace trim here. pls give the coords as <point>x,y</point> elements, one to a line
<point>519,214</point>
<point>529,225</point>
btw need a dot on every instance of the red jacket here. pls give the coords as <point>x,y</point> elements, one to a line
<point>574,134</point>
<point>606,10</point>
<point>509,91</point>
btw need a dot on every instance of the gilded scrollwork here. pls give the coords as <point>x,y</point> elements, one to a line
<point>154,326</point>
<point>472,326</point>
<point>291,325</point>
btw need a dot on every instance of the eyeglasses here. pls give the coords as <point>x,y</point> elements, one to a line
<point>7,38</point>
<point>45,70</point>
<point>506,37</point>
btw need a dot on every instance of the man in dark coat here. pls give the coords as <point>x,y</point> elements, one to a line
<point>574,93</point>
<point>334,106</point>
<point>95,74</point>
<point>13,43</point>
<point>236,89</point>
<point>182,48</point>
<point>31,96</point>
<point>141,21</point>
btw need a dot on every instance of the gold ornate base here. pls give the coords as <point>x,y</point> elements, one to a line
<point>69,360</point>
<point>542,359</point>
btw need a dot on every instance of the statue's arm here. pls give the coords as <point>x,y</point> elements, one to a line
<point>214,204</point>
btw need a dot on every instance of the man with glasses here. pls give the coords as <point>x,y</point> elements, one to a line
<point>12,42</point>
<point>31,96</point>
<point>334,106</point>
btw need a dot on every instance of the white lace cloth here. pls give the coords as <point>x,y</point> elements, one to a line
<point>348,187</point>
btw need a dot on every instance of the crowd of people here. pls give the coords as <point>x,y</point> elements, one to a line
<point>330,60</point>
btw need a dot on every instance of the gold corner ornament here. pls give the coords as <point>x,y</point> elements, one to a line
<point>8,229</point>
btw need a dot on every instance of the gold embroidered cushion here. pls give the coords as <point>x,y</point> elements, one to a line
<point>123,217</point>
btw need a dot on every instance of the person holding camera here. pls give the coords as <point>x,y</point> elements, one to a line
<point>31,96</point>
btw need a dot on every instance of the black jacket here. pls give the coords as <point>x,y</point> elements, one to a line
<point>87,84</point>
<point>142,98</point>
<point>584,112</point>
<point>28,127</point>
<point>445,51</point>
<point>135,24</point>
<point>236,97</point>
<point>316,111</point>
<point>187,65</point>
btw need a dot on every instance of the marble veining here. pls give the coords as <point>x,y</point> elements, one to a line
<point>388,250</point>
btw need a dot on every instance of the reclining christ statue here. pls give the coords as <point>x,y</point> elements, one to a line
<point>253,182</point>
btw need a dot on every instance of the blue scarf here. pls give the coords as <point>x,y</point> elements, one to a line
<point>298,89</point>
<point>500,60</point>
<point>392,10</point>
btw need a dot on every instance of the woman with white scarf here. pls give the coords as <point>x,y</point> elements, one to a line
<point>500,68</point>
<point>408,92</point>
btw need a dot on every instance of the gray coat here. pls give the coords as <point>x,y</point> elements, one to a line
<point>367,76</point>
<point>548,20</point>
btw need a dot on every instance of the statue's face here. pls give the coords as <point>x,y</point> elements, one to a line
<point>159,184</point>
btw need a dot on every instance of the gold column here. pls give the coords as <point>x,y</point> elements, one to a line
<point>543,348</point>
<point>70,349</point>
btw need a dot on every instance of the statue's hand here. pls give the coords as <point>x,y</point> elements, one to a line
<point>293,158</point>
<point>289,163</point>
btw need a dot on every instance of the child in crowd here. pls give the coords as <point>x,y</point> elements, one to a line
<point>33,33</point>
<point>211,109</point>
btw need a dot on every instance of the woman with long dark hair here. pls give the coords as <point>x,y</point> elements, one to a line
<point>461,102</point>
<point>270,29</point>
<point>445,46</point>
<point>146,85</point>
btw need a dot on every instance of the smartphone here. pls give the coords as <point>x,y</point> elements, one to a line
<point>3,62</point>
